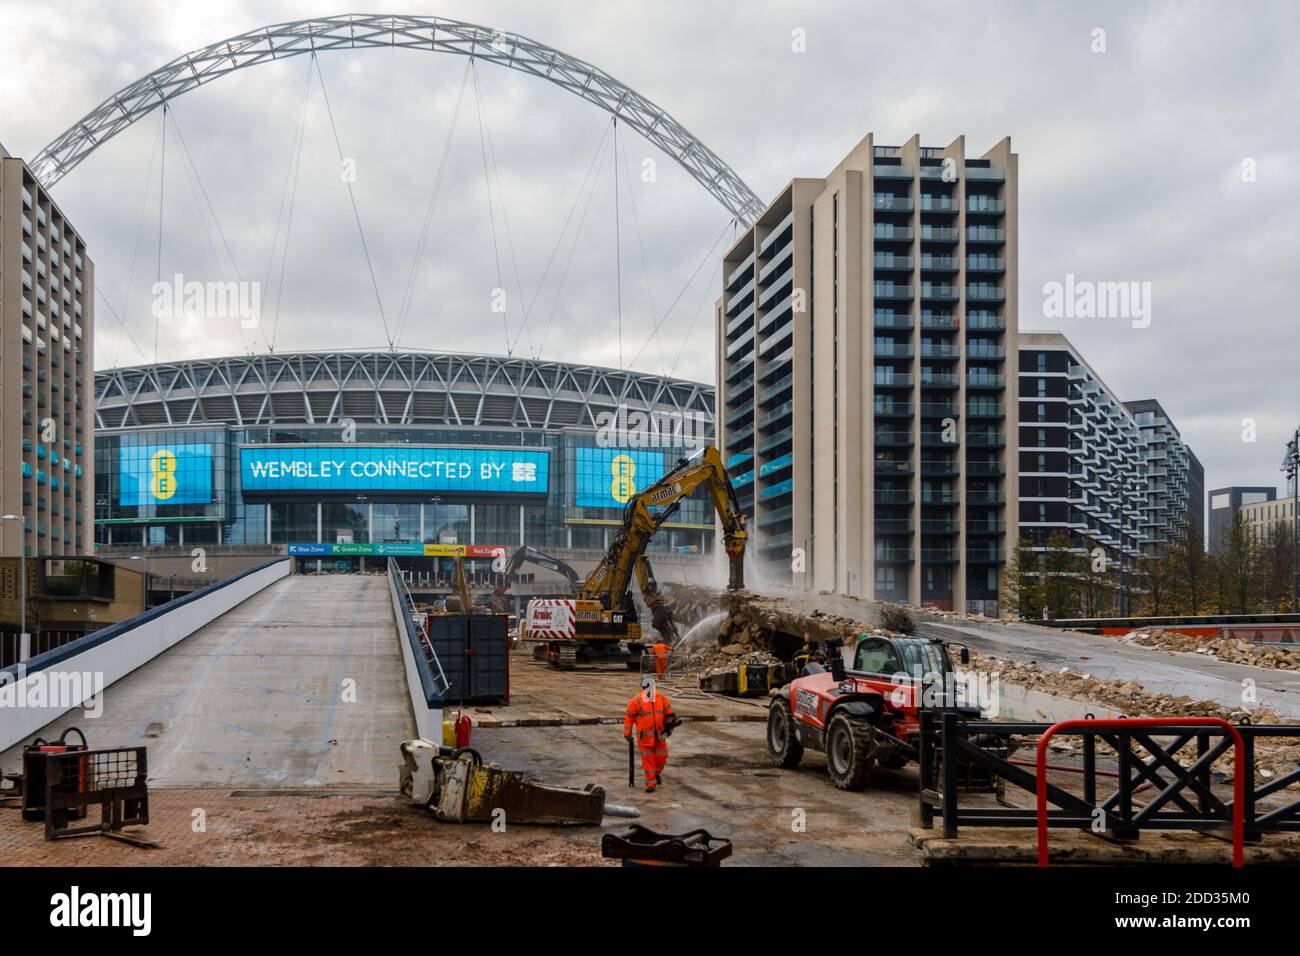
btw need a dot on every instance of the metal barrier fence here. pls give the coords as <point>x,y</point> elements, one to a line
<point>432,677</point>
<point>1149,755</point>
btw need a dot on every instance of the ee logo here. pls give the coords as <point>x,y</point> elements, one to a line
<point>623,486</point>
<point>163,468</point>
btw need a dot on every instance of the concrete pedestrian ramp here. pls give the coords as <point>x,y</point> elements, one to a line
<point>301,685</point>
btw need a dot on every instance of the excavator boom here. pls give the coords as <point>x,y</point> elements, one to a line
<point>609,580</point>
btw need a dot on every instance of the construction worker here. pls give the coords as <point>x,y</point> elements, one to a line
<point>650,714</point>
<point>661,651</point>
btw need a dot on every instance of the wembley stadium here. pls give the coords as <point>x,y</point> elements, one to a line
<point>347,455</point>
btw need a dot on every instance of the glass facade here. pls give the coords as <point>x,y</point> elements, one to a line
<point>183,487</point>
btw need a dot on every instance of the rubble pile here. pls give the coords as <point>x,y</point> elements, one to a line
<point>1272,758</point>
<point>706,660</point>
<point>1225,649</point>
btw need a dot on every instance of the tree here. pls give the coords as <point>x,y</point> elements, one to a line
<point>1190,570</point>
<point>1236,571</point>
<point>1021,588</point>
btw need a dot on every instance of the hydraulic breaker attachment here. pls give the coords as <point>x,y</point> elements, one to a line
<point>459,788</point>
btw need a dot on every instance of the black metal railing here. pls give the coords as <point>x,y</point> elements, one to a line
<point>1157,775</point>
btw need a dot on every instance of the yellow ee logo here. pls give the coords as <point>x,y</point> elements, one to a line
<point>623,487</point>
<point>163,467</point>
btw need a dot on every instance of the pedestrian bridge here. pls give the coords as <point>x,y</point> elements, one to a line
<point>300,685</point>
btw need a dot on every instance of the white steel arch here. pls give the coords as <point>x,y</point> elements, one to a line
<point>356,31</point>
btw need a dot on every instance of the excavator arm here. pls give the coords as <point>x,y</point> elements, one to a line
<point>610,579</point>
<point>525,553</point>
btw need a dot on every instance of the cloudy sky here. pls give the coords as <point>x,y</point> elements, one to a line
<point>1131,161</point>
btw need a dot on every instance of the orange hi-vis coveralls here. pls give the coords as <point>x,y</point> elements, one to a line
<point>647,717</point>
<point>660,650</point>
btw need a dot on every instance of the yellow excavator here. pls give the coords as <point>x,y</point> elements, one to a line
<point>593,625</point>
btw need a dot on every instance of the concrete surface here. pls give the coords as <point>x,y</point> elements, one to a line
<point>1199,676</point>
<point>543,696</point>
<point>256,698</point>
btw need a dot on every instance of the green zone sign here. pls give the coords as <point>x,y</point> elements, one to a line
<point>355,550</point>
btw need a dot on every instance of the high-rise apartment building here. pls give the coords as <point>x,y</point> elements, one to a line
<point>46,374</point>
<point>863,335</point>
<point>1176,488</point>
<point>1224,504</point>
<point>1083,468</point>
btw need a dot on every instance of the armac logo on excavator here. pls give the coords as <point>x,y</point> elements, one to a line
<point>668,491</point>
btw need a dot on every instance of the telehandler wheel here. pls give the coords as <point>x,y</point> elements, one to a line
<point>850,751</point>
<point>782,748</point>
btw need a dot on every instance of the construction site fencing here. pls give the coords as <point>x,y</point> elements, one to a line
<point>1153,774</point>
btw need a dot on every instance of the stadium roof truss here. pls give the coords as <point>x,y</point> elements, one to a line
<point>354,31</point>
<point>384,388</point>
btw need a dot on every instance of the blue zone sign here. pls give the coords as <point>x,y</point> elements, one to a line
<point>178,474</point>
<point>397,469</point>
<point>608,477</point>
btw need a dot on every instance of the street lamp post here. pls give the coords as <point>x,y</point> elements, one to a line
<point>144,580</point>
<point>1291,467</point>
<point>22,573</point>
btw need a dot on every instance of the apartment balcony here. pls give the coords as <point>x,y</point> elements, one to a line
<point>938,380</point>
<point>893,525</point>
<point>888,232</point>
<point>777,415</point>
<point>985,206</point>
<point>984,556</point>
<point>938,468</point>
<point>736,349</point>
<point>894,263</point>
<point>742,272</point>
<point>938,526</point>
<point>777,266</point>
<point>892,496</point>
<point>898,172</point>
<point>980,349</point>
<point>776,516</point>
<point>933,263</point>
<point>946,350</point>
<point>777,389</point>
<point>985,293</point>
<point>889,467</point>
<point>985,323</point>
<point>983,528</point>
<point>938,556</point>
<point>778,490</point>
<point>986,381</point>
<point>897,380</point>
<point>985,234</point>
<point>779,440</point>
<point>994,264</point>
<point>941,293</point>
<point>887,555</point>
<point>892,350</point>
<point>985,174</point>
<point>938,410</point>
<point>942,323</point>
<point>985,498</point>
<point>739,437</point>
<point>944,234</point>
<point>742,414</point>
<point>781,232</point>
<point>892,290</point>
<point>885,320</point>
<point>778,542</point>
<point>941,204</point>
<point>891,409</point>
<point>739,368</point>
<point>985,469</point>
<point>886,202</point>
<point>776,466</point>
<point>986,440</point>
<point>895,437</point>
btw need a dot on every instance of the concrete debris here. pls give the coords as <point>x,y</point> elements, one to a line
<point>1225,649</point>
<point>1280,755</point>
